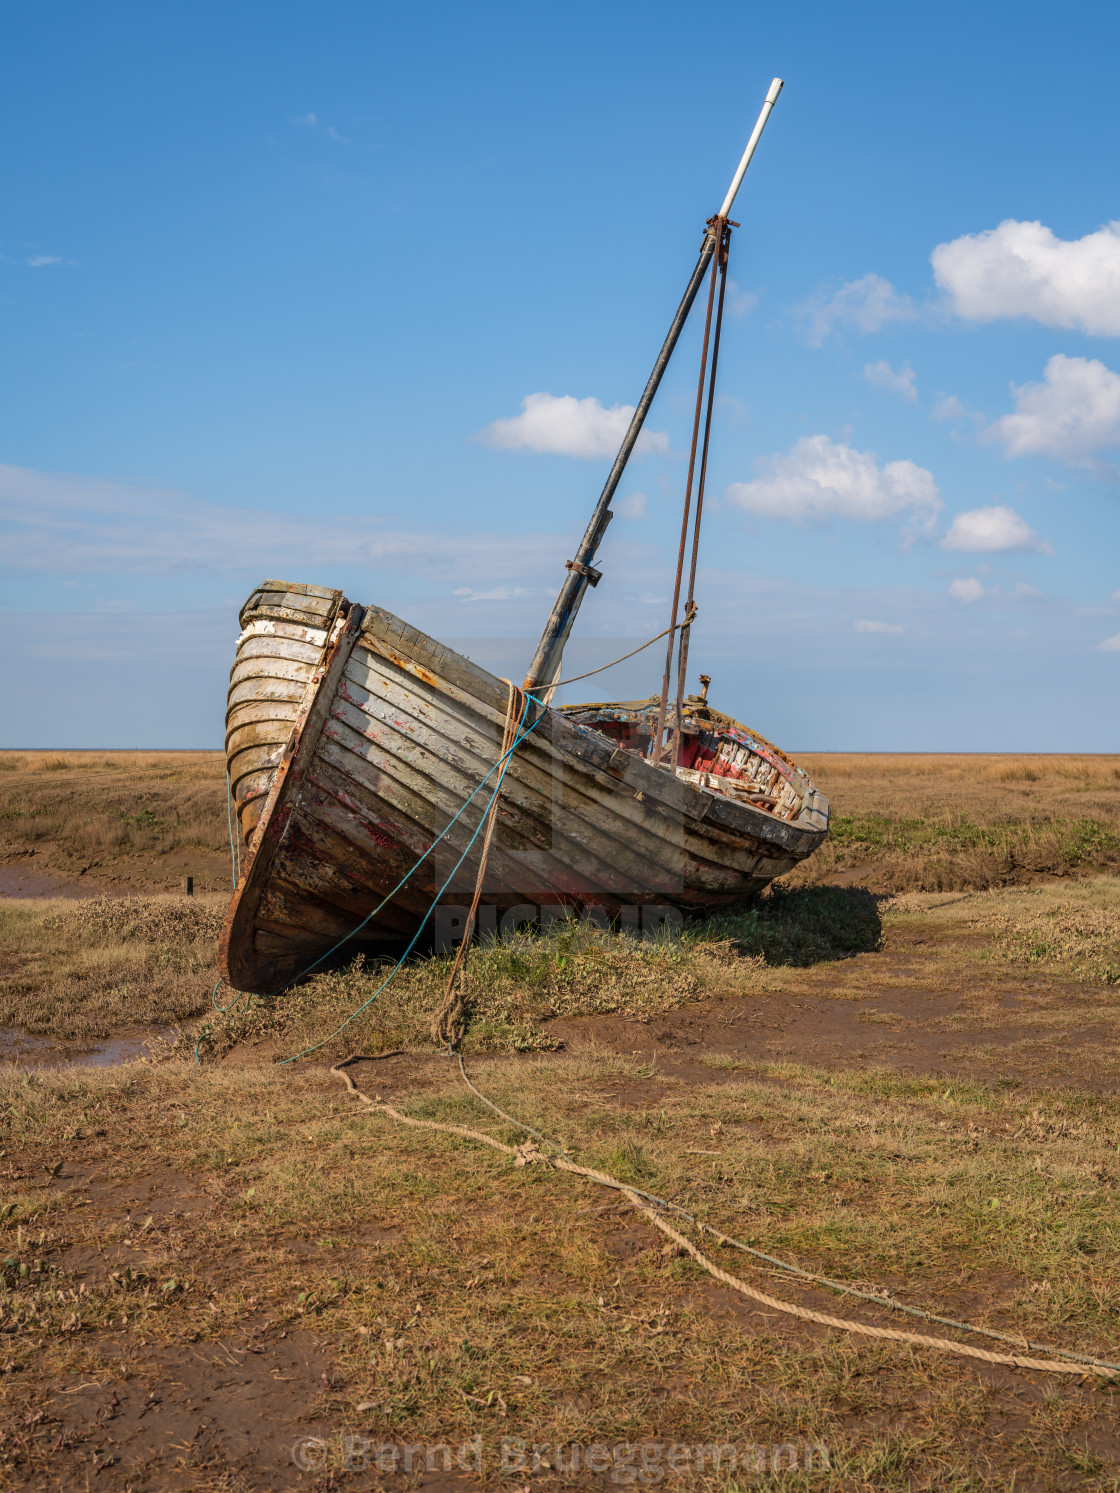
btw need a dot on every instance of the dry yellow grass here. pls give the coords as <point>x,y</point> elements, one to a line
<point>136,819</point>
<point>83,969</point>
<point>993,785</point>
<point>945,822</point>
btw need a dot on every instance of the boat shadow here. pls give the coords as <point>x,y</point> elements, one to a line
<point>802,926</point>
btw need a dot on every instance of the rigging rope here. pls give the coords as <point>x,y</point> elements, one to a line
<point>449,1021</point>
<point>843,1287</point>
<point>690,613</point>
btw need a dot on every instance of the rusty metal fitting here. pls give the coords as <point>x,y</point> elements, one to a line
<point>592,575</point>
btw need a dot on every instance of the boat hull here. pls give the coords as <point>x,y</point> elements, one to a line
<point>353,741</point>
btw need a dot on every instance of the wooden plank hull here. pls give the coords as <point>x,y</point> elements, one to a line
<point>352,742</point>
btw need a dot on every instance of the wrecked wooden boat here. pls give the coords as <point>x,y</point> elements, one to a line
<point>357,747</point>
<point>352,740</point>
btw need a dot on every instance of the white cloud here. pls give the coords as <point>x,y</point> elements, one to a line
<point>883,627</point>
<point>949,407</point>
<point>1115,596</point>
<point>739,302</point>
<point>567,426</point>
<point>37,261</point>
<point>1110,645</point>
<point>66,524</point>
<point>316,123</point>
<point>1023,269</point>
<point>634,506</point>
<point>966,590</point>
<point>866,304</point>
<point>1073,413</point>
<point>498,593</point>
<point>820,479</point>
<point>985,530</point>
<point>882,376</point>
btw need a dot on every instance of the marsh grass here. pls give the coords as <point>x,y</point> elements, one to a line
<point>1081,937</point>
<point>1067,930</point>
<point>944,822</point>
<point>85,969</point>
<point>802,925</point>
<point>840,942</point>
<point>82,969</point>
<point>908,822</point>
<point>460,1295</point>
<point>116,812</point>
<point>513,986</point>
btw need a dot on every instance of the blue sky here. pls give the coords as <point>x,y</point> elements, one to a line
<point>277,281</point>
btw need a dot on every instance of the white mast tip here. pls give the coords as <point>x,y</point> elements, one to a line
<point>771,99</point>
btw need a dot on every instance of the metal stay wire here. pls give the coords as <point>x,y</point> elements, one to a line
<point>720,259</point>
<point>664,633</point>
<point>663,706</point>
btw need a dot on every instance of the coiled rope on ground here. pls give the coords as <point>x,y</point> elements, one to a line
<point>529,1153</point>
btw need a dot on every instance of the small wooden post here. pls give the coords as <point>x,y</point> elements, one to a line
<point>188,886</point>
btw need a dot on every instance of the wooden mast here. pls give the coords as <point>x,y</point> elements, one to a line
<point>545,666</point>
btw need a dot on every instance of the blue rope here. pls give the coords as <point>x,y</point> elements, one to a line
<point>223,1009</point>
<point>214,998</point>
<point>502,763</point>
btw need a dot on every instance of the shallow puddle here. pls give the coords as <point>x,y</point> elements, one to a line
<point>22,1049</point>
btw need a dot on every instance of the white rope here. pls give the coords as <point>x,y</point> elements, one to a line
<point>528,1154</point>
